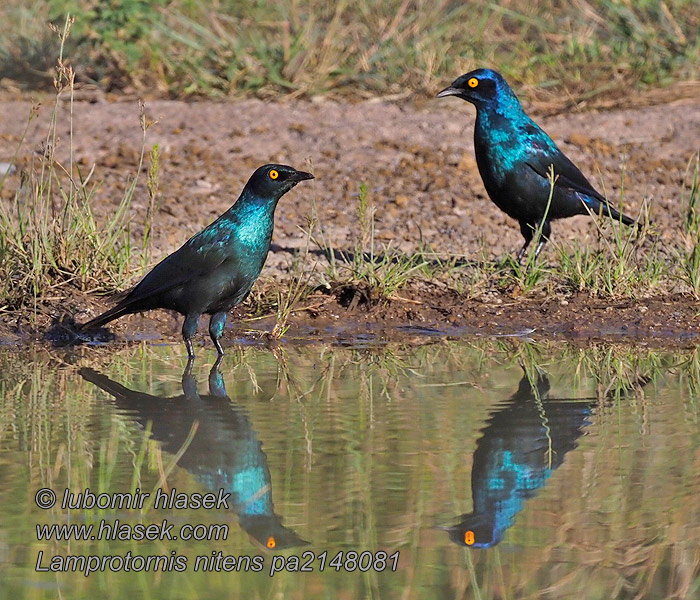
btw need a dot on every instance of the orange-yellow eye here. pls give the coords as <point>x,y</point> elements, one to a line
<point>271,543</point>
<point>469,535</point>
<point>473,82</point>
<point>273,175</point>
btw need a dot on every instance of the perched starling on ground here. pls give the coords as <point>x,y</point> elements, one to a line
<point>216,268</point>
<point>515,155</point>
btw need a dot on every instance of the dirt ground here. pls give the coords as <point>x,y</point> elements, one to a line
<point>418,164</point>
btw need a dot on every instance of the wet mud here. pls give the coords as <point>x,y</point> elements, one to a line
<point>418,165</point>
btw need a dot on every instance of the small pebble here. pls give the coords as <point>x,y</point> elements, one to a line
<point>6,168</point>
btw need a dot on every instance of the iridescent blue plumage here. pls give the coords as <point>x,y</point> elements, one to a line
<point>515,155</point>
<point>526,439</point>
<point>216,268</point>
<point>225,452</point>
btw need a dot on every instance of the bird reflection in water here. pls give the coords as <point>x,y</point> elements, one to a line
<point>225,452</point>
<point>525,440</point>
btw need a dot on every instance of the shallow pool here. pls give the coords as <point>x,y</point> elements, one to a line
<point>490,469</point>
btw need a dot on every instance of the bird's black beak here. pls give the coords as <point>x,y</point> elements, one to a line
<point>450,91</point>
<point>301,176</point>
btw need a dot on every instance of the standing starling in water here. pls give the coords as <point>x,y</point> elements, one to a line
<point>216,268</point>
<point>514,156</point>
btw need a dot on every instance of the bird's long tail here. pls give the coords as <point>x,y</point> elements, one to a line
<point>618,216</point>
<point>599,206</point>
<point>107,316</point>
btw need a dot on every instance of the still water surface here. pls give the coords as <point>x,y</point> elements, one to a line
<point>452,470</point>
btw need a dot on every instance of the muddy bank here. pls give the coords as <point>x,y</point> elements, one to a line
<point>419,313</point>
<point>418,165</point>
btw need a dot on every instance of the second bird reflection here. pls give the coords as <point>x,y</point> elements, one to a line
<point>225,452</point>
<point>525,440</point>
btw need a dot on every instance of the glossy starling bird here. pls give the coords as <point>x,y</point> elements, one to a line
<point>514,156</point>
<point>225,452</point>
<point>216,268</point>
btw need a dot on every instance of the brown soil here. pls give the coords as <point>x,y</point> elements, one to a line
<point>419,167</point>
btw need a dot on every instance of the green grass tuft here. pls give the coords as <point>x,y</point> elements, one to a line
<point>50,238</point>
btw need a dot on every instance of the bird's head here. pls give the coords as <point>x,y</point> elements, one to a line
<point>273,181</point>
<point>482,87</point>
<point>268,532</point>
<point>475,530</point>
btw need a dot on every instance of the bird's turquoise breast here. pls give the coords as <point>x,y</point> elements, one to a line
<point>249,229</point>
<point>497,147</point>
<point>509,484</point>
<point>253,229</point>
<point>252,239</point>
<point>243,238</point>
<point>232,252</point>
<point>504,140</point>
<point>247,477</point>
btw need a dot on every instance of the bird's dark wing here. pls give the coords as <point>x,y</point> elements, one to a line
<point>572,190</point>
<point>567,173</point>
<point>189,262</point>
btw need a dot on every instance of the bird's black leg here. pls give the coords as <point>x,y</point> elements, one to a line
<point>216,329</point>
<point>189,329</point>
<point>521,252</point>
<point>526,230</point>
<point>544,237</point>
